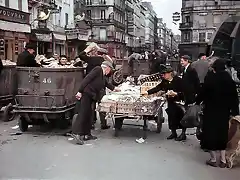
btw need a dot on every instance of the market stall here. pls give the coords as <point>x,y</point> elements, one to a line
<point>131,105</point>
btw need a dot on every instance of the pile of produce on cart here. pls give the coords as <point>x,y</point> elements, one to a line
<point>129,101</point>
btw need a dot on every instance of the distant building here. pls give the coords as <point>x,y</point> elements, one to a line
<point>49,34</point>
<point>150,21</point>
<point>14,28</point>
<point>107,19</point>
<point>200,19</point>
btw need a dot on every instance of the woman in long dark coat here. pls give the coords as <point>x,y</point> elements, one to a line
<point>220,100</point>
<point>175,113</point>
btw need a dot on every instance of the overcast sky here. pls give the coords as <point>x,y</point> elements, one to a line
<point>165,8</point>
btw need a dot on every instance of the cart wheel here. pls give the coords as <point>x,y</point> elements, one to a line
<point>8,114</point>
<point>23,124</point>
<point>159,121</point>
<point>145,128</point>
<point>117,77</point>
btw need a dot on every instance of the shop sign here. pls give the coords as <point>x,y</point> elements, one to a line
<point>13,15</point>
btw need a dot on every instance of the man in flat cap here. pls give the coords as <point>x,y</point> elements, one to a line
<point>27,58</point>
<point>94,56</point>
<point>90,87</point>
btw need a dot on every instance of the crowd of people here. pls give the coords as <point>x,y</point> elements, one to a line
<point>210,84</point>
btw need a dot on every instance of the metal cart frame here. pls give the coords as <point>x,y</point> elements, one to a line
<point>159,120</point>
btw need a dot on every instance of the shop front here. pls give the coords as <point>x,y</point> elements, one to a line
<point>14,32</point>
<point>76,41</point>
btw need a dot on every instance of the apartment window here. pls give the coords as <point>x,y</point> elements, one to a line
<point>59,19</point>
<point>103,34</point>
<point>103,16</point>
<point>6,3</point>
<point>89,13</point>
<point>88,2</point>
<point>209,35</point>
<point>202,37</point>
<point>102,1</point>
<point>187,19</point>
<point>20,5</point>
<point>66,19</point>
<point>186,37</point>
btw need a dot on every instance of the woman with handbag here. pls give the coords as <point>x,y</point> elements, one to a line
<point>172,85</point>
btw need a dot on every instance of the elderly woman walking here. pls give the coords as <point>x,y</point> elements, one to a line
<point>220,100</point>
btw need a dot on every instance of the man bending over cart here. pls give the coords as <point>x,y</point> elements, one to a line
<point>90,87</point>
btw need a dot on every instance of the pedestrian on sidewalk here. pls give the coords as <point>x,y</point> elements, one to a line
<point>201,66</point>
<point>220,100</point>
<point>191,86</point>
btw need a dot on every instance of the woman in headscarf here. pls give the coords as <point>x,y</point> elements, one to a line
<point>220,101</point>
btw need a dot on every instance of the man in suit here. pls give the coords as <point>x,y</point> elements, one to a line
<point>94,56</point>
<point>201,66</point>
<point>90,87</point>
<point>191,86</point>
<point>27,58</point>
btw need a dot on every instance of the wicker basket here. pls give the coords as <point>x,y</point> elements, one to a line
<point>109,107</point>
<point>125,108</point>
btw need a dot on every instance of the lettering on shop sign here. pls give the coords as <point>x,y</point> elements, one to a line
<point>47,81</point>
<point>13,15</point>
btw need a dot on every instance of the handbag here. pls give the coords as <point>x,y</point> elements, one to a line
<point>191,117</point>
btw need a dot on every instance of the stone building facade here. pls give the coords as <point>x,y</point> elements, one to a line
<point>200,20</point>
<point>14,28</point>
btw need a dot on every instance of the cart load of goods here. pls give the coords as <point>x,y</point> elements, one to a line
<point>129,101</point>
<point>53,63</point>
<point>8,63</point>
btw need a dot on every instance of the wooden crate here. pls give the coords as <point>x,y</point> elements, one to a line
<point>147,108</point>
<point>110,107</point>
<point>149,85</point>
<point>125,108</point>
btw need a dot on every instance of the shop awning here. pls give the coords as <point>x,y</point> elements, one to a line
<point>16,27</point>
<point>60,37</point>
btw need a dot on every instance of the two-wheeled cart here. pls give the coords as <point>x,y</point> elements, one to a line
<point>8,84</point>
<point>139,111</point>
<point>46,95</point>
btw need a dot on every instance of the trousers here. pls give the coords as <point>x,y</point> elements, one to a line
<point>82,125</point>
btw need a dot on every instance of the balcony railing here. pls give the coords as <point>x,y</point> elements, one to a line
<point>186,25</point>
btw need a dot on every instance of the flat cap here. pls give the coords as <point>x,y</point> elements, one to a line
<point>30,46</point>
<point>108,64</point>
<point>187,57</point>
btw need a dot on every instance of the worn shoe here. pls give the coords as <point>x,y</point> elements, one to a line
<point>172,136</point>
<point>77,139</point>
<point>182,137</point>
<point>222,165</point>
<point>89,137</point>
<point>211,163</point>
<point>105,127</point>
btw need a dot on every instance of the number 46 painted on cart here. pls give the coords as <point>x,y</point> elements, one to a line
<point>47,81</point>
